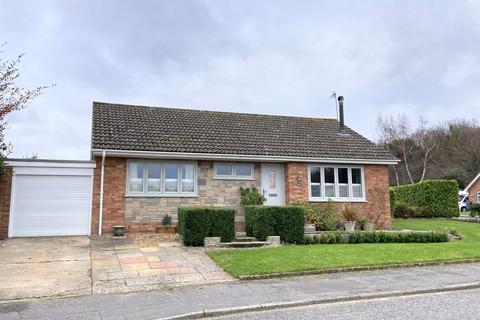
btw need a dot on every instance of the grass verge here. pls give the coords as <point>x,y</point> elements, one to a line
<point>292,258</point>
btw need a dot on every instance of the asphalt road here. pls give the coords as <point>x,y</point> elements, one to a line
<point>451,305</point>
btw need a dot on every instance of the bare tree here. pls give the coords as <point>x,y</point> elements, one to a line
<point>426,141</point>
<point>395,133</point>
<point>12,98</point>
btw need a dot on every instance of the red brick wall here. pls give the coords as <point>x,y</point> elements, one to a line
<point>5,196</point>
<point>377,207</point>
<point>296,182</point>
<point>473,191</point>
<point>113,194</point>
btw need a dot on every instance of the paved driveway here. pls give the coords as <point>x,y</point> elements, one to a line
<point>118,265</point>
<point>44,267</point>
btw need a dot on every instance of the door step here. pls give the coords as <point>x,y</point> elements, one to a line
<point>245,239</point>
<point>243,244</point>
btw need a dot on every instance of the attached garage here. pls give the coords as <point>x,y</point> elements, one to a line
<point>50,198</point>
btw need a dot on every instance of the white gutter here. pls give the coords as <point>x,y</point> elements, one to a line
<point>100,217</point>
<point>210,156</point>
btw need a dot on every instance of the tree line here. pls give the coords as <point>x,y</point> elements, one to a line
<point>449,150</point>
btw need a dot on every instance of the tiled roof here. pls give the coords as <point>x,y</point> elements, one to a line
<point>140,128</point>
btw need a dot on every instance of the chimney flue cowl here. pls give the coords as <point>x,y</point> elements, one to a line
<point>341,116</point>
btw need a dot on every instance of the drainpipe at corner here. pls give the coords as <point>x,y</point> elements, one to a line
<point>100,217</point>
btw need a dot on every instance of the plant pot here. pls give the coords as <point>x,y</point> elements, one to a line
<point>119,231</point>
<point>349,226</point>
<point>369,226</point>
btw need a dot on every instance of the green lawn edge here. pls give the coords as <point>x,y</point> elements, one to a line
<point>291,258</point>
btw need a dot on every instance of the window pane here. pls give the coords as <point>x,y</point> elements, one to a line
<point>136,177</point>
<point>330,190</point>
<point>187,178</point>
<point>343,190</point>
<point>357,190</point>
<point>223,169</point>
<point>315,174</point>
<point>171,179</point>
<point>356,175</point>
<point>153,174</point>
<point>272,180</point>
<point>315,190</point>
<point>329,175</point>
<point>243,170</point>
<point>342,175</point>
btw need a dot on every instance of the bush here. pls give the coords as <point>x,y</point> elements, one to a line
<point>284,221</point>
<point>379,237</point>
<point>324,218</point>
<point>251,196</point>
<point>196,223</point>
<point>402,210</point>
<point>438,198</point>
<point>167,220</point>
<point>475,209</point>
<point>324,238</point>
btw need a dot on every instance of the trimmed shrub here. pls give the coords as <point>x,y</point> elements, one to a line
<point>402,210</point>
<point>379,237</point>
<point>196,223</point>
<point>324,238</point>
<point>284,221</point>
<point>437,198</point>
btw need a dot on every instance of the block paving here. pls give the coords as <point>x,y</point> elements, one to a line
<point>119,265</point>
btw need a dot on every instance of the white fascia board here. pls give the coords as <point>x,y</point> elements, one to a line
<point>472,182</point>
<point>50,164</point>
<point>232,157</point>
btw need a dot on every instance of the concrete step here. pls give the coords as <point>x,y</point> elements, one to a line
<point>248,244</point>
<point>245,239</point>
<point>240,234</point>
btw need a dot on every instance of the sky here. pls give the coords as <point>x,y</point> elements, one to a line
<point>274,57</point>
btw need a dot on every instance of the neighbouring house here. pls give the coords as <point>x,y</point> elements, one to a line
<point>148,161</point>
<point>473,190</point>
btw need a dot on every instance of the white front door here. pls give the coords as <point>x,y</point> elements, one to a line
<point>273,184</point>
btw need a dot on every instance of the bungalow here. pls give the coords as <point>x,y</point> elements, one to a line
<point>148,161</point>
<point>473,190</point>
<point>151,160</point>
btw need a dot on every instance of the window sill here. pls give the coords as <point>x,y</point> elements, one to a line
<point>234,178</point>
<point>338,200</point>
<point>173,195</point>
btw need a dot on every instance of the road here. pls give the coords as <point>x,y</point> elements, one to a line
<point>451,305</point>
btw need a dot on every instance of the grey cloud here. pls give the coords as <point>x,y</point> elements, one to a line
<point>281,57</point>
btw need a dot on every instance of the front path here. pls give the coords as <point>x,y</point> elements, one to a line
<point>119,265</point>
<point>198,299</point>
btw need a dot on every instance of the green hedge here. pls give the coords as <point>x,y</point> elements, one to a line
<point>378,237</point>
<point>438,198</point>
<point>196,223</point>
<point>284,221</point>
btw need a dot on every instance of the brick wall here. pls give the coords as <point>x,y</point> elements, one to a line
<point>113,194</point>
<point>5,196</point>
<point>377,207</point>
<point>296,182</point>
<point>473,191</point>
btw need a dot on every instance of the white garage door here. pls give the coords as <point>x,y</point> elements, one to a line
<point>50,205</point>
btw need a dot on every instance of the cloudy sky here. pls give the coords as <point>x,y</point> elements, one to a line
<point>277,57</point>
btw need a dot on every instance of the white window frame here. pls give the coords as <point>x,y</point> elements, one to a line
<point>162,193</point>
<point>478,197</point>
<point>233,176</point>
<point>323,198</point>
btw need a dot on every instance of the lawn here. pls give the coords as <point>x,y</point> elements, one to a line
<point>287,258</point>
